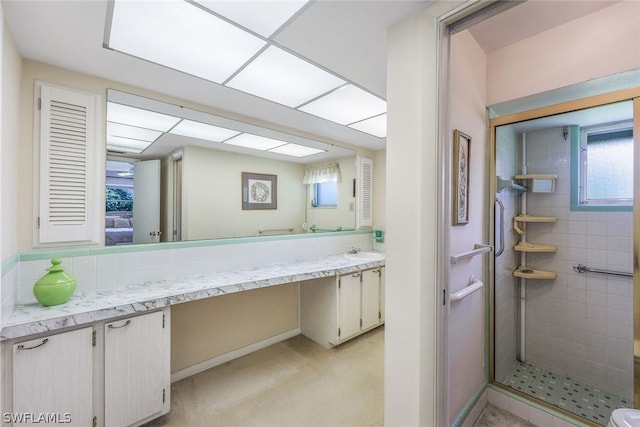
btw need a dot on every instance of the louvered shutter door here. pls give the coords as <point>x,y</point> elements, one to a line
<point>67,149</point>
<point>364,194</point>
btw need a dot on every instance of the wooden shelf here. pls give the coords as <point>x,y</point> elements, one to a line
<point>529,273</point>
<point>534,247</point>
<point>531,218</point>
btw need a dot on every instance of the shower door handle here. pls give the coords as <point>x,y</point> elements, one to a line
<point>499,252</point>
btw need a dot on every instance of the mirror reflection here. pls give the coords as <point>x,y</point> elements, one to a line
<point>174,173</point>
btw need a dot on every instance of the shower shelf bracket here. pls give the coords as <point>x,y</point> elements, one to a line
<point>534,247</point>
<point>532,218</point>
<point>529,273</point>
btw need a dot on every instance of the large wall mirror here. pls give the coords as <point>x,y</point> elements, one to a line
<point>175,173</point>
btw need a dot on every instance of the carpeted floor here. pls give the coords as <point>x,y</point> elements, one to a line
<point>293,383</point>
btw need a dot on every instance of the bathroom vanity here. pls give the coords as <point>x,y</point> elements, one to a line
<point>103,358</point>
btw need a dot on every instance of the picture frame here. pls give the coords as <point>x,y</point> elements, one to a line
<point>460,196</point>
<point>259,191</point>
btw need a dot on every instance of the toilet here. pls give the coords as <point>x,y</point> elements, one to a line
<point>625,417</point>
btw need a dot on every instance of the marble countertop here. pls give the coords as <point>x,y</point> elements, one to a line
<point>88,307</point>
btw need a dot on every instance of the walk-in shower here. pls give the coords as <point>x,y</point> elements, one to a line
<point>563,336</point>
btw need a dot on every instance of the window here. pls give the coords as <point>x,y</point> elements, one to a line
<point>325,195</point>
<point>606,167</point>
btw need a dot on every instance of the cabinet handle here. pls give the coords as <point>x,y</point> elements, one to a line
<point>121,326</point>
<point>44,341</point>
<point>355,275</point>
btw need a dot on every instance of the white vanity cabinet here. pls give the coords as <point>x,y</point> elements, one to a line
<point>137,375</point>
<point>349,301</point>
<point>115,373</point>
<point>336,309</point>
<point>52,379</point>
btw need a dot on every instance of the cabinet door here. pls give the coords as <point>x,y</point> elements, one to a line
<point>348,306</point>
<point>382,292</point>
<point>136,371</point>
<point>52,378</point>
<point>370,298</point>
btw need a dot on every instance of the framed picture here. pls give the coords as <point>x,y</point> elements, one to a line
<point>259,191</point>
<point>460,197</point>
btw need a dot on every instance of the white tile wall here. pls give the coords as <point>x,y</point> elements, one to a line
<point>579,325</point>
<point>115,271</point>
<point>9,287</point>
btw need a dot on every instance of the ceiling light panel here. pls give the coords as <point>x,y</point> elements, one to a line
<point>262,17</point>
<point>284,78</point>
<point>181,36</point>
<point>203,131</point>
<point>124,114</point>
<point>376,126</point>
<point>296,150</point>
<point>118,143</point>
<point>133,132</point>
<point>256,142</point>
<point>346,105</point>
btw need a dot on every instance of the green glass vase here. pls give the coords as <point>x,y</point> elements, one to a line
<point>55,287</point>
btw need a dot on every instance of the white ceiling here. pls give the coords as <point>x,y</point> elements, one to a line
<point>530,18</point>
<point>70,34</point>
<point>348,37</point>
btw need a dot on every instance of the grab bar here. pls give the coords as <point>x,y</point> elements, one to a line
<point>579,268</point>
<point>477,250</point>
<point>498,201</point>
<point>276,230</point>
<point>467,290</point>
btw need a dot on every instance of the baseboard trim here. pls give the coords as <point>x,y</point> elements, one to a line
<point>224,358</point>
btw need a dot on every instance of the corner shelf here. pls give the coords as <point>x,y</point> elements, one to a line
<point>529,273</point>
<point>534,247</point>
<point>537,176</point>
<point>532,218</point>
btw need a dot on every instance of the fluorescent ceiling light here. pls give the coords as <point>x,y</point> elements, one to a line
<point>376,126</point>
<point>116,143</point>
<point>296,150</point>
<point>284,78</point>
<point>138,117</point>
<point>181,36</point>
<point>133,132</point>
<point>262,17</point>
<point>256,142</point>
<point>346,105</point>
<point>203,131</point>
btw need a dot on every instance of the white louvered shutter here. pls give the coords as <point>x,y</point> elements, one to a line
<point>364,192</point>
<point>68,147</point>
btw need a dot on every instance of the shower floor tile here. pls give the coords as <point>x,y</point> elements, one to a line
<point>574,396</point>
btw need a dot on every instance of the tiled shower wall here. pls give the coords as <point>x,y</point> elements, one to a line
<point>506,289</point>
<point>109,270</point>
<point>579,325</point>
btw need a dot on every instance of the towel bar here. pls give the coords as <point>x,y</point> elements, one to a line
<point>477,250</point>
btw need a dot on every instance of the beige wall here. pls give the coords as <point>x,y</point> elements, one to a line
<point>600,44</point>
<point>212,202</point>
<point>204,329</point>
<point>11,143</point>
